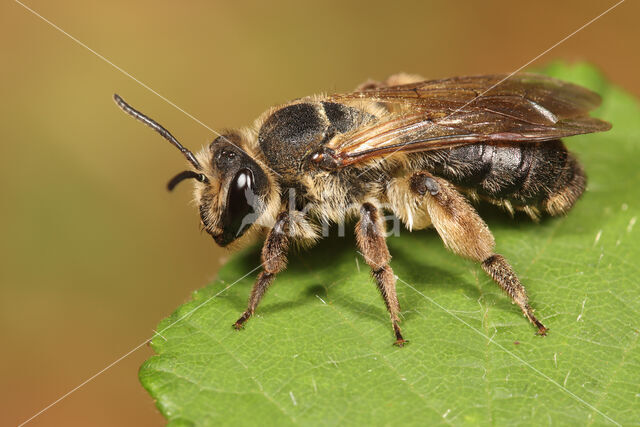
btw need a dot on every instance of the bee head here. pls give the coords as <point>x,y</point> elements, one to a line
<point>235,193</point>
<point>231,188</point>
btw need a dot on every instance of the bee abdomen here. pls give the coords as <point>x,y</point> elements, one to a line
<point>571,186</point>
<point>529,176</point>
<point>550,179</point>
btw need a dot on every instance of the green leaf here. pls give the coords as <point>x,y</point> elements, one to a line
<point>319,349</point>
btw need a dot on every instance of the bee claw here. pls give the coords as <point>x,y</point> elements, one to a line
<point>542,331</point>
<point>241,321</point>
<point>401,342</point>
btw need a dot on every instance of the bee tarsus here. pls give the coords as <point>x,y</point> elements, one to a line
<point>499,269</point>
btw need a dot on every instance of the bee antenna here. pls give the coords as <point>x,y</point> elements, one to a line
<point>157,127</point>
<point>185,175</point>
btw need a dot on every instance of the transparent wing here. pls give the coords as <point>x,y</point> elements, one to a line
<point>465,110</point>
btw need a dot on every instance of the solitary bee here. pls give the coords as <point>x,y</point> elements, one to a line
<point>420,149</point>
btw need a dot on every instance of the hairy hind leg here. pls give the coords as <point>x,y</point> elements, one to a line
<point>466,234</point>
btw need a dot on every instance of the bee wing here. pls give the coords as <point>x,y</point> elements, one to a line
<point>466,110</point>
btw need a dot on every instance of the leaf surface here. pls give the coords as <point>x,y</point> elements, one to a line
<point>319,349</point>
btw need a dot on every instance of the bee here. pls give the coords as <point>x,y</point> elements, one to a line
<point>423,150</point>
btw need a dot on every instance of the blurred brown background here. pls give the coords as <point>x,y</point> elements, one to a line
<point>94,251</point>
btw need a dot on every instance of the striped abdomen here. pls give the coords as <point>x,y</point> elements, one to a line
<point>529,176</point>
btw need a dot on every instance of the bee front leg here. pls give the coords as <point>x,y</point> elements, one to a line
<point>466,234</point>
<point>372,244</point>
<point>274,260</point>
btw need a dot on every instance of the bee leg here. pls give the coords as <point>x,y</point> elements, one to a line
<point>274,260</point>
<point>372,244</point>
<point>466,234</point>
<point>499,269</point>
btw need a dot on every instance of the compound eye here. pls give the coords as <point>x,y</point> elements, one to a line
<point>240,203</point>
